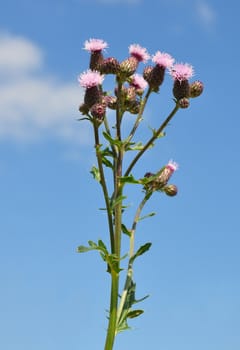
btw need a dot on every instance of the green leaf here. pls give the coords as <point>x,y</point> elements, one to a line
<point>111,140</point>
<point>96,174</point>
<point>83,249</point>
<point>126,231</point>
<point>129,179</point>
<point>146,216</point>
<point>134,313</point>
<point>107,162</point>
<point>117,201</point>
<point>134,146</point>
<point>143,249</point>
<point>154,131</point>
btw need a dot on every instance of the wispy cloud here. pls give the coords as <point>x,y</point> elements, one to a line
<point>206,14</point>
<point>33,104</point>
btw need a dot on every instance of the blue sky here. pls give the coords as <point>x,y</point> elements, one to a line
<point>53,298</point>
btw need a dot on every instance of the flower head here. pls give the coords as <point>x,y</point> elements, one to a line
<point>90,79</point>
<point>172,165</point>
<point>93,45</point>
<point>163,59</point>
<point>138,82</point>
<point>182,71</point>
<point>140,53</point>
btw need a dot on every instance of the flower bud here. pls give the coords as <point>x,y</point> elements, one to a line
<point>165,174</point>
<point>180,89</point>
<point>184,102</point>
<point>196,89</point>
<point>98,111</point>
<point>128,67</point>
<point>110,101</point>
<point>134,107</point>
<point>109,66</point>
<point>154,76</point>
<point>170,190</point>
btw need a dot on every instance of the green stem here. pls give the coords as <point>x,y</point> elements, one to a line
<point>152,139</point>
<point>128,280</point>
<point>139,117</point>
<point>113,312</point>
<point>117,194</point>
<point>104,187</point>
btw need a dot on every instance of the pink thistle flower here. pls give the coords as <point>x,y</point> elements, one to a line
<point>94,45</point>
<point>163,59</point>
<point>173,166</point>
<point>181,71</point>
<point>140,53</point>
<point>90,79</point>
<point>138,82</point>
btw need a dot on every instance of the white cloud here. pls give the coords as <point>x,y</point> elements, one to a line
<point>33,105</point>
<point>206,13</point>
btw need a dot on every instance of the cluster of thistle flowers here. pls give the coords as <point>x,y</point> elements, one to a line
<point>96,100</point>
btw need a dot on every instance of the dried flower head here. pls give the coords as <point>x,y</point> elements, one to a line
<point>90,78</point>
<point>94,45</point>
<point>163,59</point>
<point>182,71</point>
<point>140,53</point>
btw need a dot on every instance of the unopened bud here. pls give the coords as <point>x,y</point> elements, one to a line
<point>98,111</point>
<point>196,89</point>
<point>128,67</point>
<point>184,102</point>
<point>109,66</point>
<point>170,190</point>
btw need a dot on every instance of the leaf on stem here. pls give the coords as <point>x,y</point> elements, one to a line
<point>111,140</point>
<point>129,179</point>
<point>143,249</point>
<point>133,146</point>
<point>95,173</point>
<point>126,231</point>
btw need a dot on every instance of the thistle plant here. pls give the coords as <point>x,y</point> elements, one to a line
<point>114,173</point>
